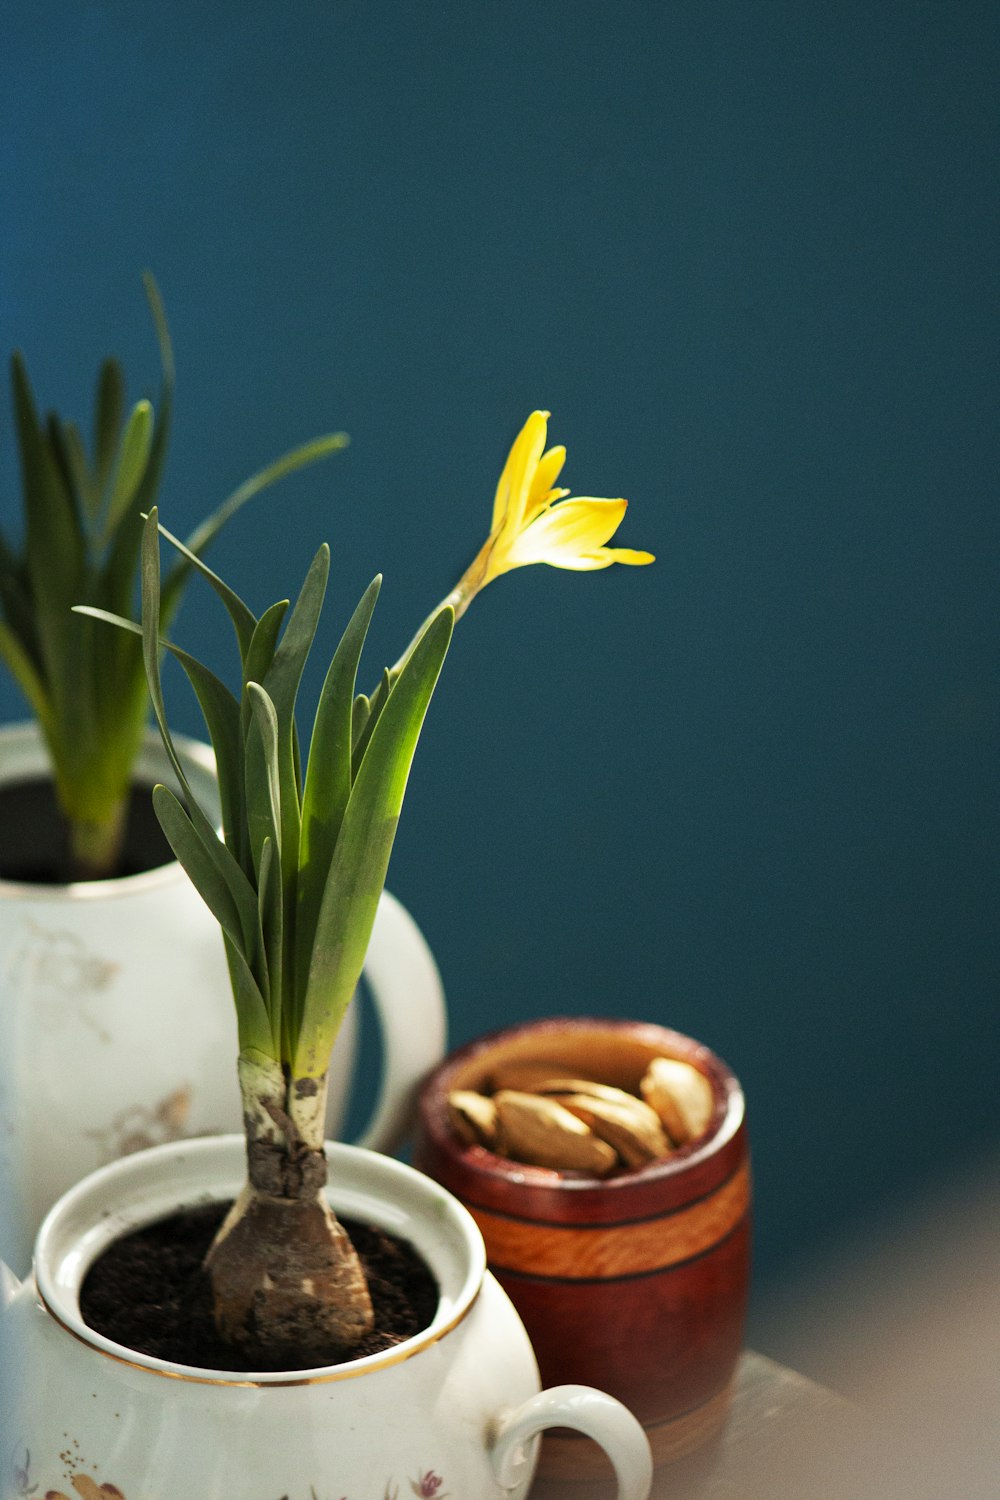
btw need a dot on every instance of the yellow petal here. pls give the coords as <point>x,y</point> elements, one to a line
<point>585,562</point>
<point>629,556</point>
<point>529,442</point>
<point>603,557</point>
<point>567,534</point>
<point>542,490</point>
<point>523,471</point>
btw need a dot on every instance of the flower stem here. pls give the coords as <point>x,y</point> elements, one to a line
<point>461,596</point>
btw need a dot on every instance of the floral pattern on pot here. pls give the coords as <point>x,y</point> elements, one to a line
<point>137,1128</point>
<point>22,1477</point>
<point>426,1486</point>
<point>87,1489</point>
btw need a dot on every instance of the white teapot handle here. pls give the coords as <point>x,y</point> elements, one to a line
<point>585,1410</point>
<point>409,997</point>
<point>9,1286</point>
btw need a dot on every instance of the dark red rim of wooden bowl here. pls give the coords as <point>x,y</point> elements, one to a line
<point>484,1180</point>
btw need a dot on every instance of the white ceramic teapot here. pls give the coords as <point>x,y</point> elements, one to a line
<point>455,1410</point>
<point>117,1027</point>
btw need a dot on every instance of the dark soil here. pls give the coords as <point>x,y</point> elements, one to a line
<point>148,1291</point>
<point>34,844</point>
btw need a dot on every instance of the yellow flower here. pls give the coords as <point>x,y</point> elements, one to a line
<point>533,521</point>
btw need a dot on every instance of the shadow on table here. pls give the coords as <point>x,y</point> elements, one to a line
<point>904,1328</point>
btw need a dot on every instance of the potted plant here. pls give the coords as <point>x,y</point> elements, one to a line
<point>294,883</point>
<point>82,527</point>
<point>450,1411</point>
<point>111,962</point>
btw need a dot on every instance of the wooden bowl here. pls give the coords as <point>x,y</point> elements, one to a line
<point>636,1284</point>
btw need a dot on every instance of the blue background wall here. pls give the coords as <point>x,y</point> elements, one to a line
<point>745,253</point>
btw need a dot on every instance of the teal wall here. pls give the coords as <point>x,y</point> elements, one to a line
<point>745,252</point>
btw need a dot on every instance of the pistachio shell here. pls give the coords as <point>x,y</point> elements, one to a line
<point>523,1077</point>
<point>681,1095</point>
<point>605,1091</point>
<point>473,1118</point>
<point>633,1130</point>
<point>543,1134</point>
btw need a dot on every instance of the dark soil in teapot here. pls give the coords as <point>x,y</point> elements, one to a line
<point>34,842</point>
<point>148,1291</point>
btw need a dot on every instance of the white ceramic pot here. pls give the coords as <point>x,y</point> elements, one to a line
<point>453,1411</point>
<point>117,1026</point>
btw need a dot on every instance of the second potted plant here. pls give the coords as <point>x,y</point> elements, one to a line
<point>294,885</point>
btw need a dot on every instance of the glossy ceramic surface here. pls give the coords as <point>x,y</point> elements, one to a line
<point>453,1411</point>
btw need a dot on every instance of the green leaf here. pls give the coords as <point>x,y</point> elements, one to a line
<point>264,880</point>
<point>118,578</point>
<point>130,467</point>
<point>263,777</point>
<point>285,671</point>
<point>117,686</point>
<point>55,563</point>
<point>359,717</point>
<point>26,675</point>
<point>376,703</point>
<point>219,707</point>
<point>150,585</point>
<point>221,713</point>
<point>197,856</point>
<point>361,858</point>
<point>253,1021</point>
<point>161,435</point>
<point>282,681</point>
<point>16,602</point>
<point>261,652</point>
<point>53,544</point>
<point>66,446</point>
<point>296,754</point>
<point>194,852</point>
<point>271,912</point>
<point>243,618</point>
<point>109,410</point>
<point>328,771</point>
<point>159,315</point>
<point>264,821</point>
<point>239,886</point>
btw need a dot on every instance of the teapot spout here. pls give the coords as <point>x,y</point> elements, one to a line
<point>9,1286</point>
